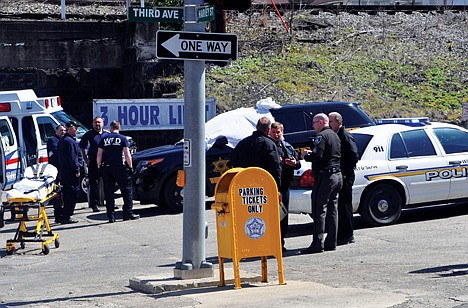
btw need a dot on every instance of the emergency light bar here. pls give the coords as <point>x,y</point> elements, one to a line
<point>50,102</point>
<point>418,121</point>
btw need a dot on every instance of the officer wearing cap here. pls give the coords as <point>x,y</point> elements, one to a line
<point>325,157</point>
<point>113,169</point>
<point>70,161</point>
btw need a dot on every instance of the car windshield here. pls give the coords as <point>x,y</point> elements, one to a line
<point>64,117</point>
<point>362,140</point>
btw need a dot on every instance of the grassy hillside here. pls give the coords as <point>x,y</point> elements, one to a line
<point>396,65</point>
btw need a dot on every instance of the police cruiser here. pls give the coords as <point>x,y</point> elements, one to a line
<point>404,162</point>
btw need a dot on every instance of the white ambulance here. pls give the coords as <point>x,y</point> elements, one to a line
<point>26,123</point>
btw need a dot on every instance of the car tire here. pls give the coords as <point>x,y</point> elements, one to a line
<point>172,195</point>
<point>382,205</point>
<point>83,196</point>
<point>2,213</point>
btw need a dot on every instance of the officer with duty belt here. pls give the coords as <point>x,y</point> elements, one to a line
<point>113,169</point>
<point>325,157</point>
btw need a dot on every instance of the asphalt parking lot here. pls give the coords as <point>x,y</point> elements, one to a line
<point>419,262</point>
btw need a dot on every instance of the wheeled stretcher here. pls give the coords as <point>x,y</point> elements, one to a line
<point>34,193</point>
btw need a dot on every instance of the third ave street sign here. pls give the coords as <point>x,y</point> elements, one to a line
<point>156,14</point>
<point>196,46</point>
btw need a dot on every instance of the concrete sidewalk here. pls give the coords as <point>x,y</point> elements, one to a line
<point>207,293</point>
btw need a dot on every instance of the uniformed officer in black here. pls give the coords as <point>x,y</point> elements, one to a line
<point>52,153</point>
<point>113,169</point>
<point>70,161</point>
<point>89,147</point>
<point>349,158</point>
<point>325,157</point>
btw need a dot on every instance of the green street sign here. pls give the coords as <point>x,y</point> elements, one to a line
<point>156,14</point>
<point>205,13</point>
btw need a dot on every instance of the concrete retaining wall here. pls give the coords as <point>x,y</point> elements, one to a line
<point>82,61</point>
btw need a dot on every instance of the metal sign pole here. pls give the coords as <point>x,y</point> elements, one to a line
<point>193,256</point>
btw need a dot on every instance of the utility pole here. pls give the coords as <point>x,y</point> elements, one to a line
<point>193,264</point>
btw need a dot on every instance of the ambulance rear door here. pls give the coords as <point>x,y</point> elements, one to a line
<point>9,156</point>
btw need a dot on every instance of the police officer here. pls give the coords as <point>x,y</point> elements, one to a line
<point>349,158</point>
<point>259,150</point>
<point>70,161</point>
<point>109,159</point>
<point>92,138</point>
<point>325,157</point>
<point>289,163</point>
<point>52,153</point>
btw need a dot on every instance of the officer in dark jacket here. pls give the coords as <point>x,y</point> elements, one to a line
<point>289,163</point>
<point>52,145</point>
<point>52,153</point>
<point>70,161</point>
<point>349,158</point>
<point>325,157</point>
<point>109,159</point>
<point>89,147</point>
<point>259,150</point>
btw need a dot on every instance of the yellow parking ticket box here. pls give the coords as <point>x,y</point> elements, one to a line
<point>247,220</point>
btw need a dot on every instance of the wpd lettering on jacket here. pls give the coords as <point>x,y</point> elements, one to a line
<point>112,141</point>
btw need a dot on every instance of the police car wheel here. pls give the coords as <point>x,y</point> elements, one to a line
<point>382,205</point>
<point>2,213</point>
<point>172,194</point>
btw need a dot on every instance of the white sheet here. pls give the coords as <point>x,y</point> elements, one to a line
<point>34,185</point>
<point>237,124</point>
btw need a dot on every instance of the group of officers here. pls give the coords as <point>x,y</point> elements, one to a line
<point>106,154</point>
<point>333,156</point>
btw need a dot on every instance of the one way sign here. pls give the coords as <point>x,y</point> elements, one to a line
<point>196,46</point>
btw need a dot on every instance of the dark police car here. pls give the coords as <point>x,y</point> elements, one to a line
<point>156,168</point>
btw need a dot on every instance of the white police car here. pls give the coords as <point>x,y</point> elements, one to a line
<point>411,164</point>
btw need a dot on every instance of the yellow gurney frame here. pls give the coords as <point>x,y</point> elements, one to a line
<point>19,207</point>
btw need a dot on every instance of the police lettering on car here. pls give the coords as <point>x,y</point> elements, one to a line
<point>114,170</point>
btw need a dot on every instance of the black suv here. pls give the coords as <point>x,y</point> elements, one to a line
<point>155,174</point>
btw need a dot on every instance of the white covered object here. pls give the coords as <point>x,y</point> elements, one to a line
<point>237,124</point>
<point>37,183</point>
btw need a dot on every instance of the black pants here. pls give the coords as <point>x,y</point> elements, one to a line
<point>325,209</point>
<point>285,221</point>
<point>70,193</point>
<point>93,178</point>
<point>345,208</point>
<point>123,177</point>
